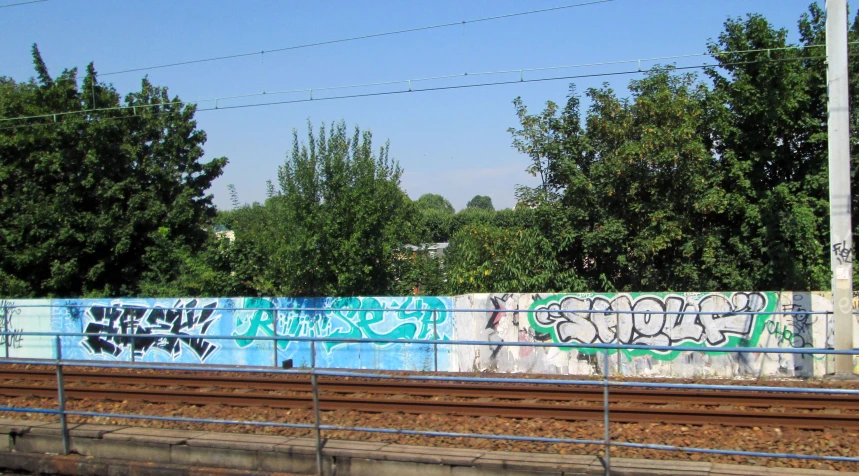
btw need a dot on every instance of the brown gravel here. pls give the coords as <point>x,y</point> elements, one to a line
<point>828,442</point>
<point>764,439</point>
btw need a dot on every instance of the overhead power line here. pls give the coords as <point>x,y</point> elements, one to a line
<point>410,82</point>
<point>521,73</point>
<point>496,83</point>
<point>353,38</point>
<point>22,3</point>
<point>388,93</point>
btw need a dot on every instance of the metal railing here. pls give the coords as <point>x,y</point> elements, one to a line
<point>314,371</point>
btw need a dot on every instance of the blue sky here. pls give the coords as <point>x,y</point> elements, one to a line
<point>452,142</point>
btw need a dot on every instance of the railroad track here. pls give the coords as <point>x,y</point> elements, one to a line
<point>525,401</point>
<point>554,393</point>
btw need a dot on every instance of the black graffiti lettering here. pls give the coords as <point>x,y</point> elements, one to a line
<point>499,304</point>
<point>14,338</point>
<point>160,328</point>
<point>801,324</point>
<point>843,252</point>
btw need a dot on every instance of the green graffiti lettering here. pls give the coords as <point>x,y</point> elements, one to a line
<point>362,315</point>
<point>254,323</point>
<point>651,319</point>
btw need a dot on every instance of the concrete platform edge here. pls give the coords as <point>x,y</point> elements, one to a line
<point>111,449</point>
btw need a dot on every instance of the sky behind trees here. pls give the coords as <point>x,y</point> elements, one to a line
<point>454,143</point>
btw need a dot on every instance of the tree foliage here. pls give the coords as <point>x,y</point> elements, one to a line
<point>97,202</point>
<point>434,201</point>
<point>485,258</point>
<point>334,226</point>
<point>679,183</point>
<point>685,186</point>
<point>480,202</point>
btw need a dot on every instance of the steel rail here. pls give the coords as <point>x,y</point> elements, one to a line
<point>429,389</point>
<point>517,409</point>
<point>375,374</point>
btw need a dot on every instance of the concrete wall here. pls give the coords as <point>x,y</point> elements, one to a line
<point>534,318</point>
<point>175,330</point>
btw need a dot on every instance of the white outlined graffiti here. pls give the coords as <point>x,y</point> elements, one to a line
<point>161,328</point>
<point>652,320</point>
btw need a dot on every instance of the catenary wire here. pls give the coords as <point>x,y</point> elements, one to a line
<point>22,3</point>
<point>390,93</point>
<point>521,72</point>
<point>353,38</point>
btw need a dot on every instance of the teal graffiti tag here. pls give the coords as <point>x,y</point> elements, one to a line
<point>302,324</point>
<point>254,323</point>
<point>361,315</point>
<point>784,335</point>
<point>429,311</point>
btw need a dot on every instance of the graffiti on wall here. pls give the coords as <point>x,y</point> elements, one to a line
<point>501,303</point>
<point>183,330</point>
<point>390,318</point>
<point>13,338</point>
<point>795,329</point>
<point>172,330</point>
<point>419,318</point>
<point>843,252</point>
<point>653,319</point>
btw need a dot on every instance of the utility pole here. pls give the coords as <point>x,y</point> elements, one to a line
<point>841,228</point>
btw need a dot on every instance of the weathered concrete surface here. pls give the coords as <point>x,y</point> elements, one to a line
<point>111,450</point>
<point>711,320</point>
<point>85,466</point>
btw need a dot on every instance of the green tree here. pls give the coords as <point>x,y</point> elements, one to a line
<point>437,216</point>
<point>481,202</point>
<point>206,272</point>
<point>437,225</point>
<point>433,201</point>
<point>684,187</point>
<point>771,135</point>
<point>485,258</point>
<point>335,224</point>
<point>418,272</point>
<point>630,199</point>
<point>90,199</point>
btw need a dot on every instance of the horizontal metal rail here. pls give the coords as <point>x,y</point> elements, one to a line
<point>411,309</point>
<point>535,439</point>
<point>605,383</point>
<point>566,345</point>
<point>440,378</point>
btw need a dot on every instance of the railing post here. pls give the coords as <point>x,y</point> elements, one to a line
<point>6,337</point>
<point>132,348</point>
<point>605,413</point>
<point>275,341</point>
<point>435,340</point>
<point>61,396</point>
<point>315,387</point>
